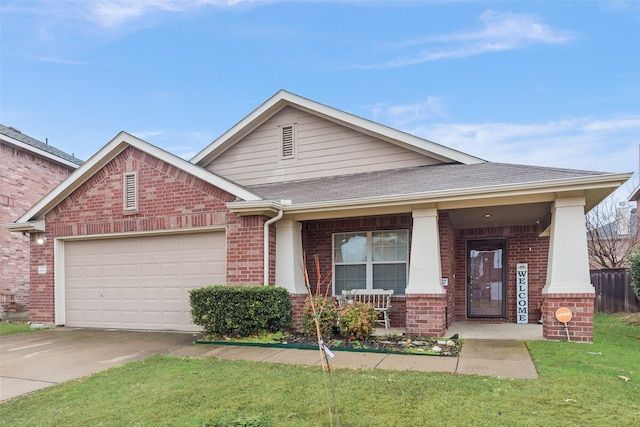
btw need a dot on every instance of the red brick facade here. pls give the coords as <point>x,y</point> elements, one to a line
<point>24,179</point>
<point>171,199</point>
<point>580,326</point>
<point>431,314</point>
<point>168,198</point>
<point>523,245</point>
<point>448,265</point>
<point>317,240</point>
<point>426,314</point>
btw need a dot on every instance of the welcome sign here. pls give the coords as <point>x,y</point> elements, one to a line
<point>522,292</point>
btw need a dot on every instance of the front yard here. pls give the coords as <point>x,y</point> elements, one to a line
<point>579,384</point>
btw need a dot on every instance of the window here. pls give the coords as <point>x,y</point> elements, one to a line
<point>371,260</point>
<point>288,141</point>
<point>130,191</point>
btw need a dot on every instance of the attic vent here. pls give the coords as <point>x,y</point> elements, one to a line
<point>288,141</point>
<point>130,191</point>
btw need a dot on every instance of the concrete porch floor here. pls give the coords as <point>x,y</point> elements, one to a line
<point>493,331</point>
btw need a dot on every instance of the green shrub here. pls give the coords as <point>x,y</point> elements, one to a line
<point>358,320</point>
<point>241,310</point>
<point>634,269</point>
<point>328,316</point>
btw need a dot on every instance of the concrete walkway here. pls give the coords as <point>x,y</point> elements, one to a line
<point>498,358</point>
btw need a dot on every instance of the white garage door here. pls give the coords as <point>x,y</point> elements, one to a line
<point>140,282</point>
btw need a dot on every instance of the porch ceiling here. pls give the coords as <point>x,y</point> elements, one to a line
<point>496,216</point>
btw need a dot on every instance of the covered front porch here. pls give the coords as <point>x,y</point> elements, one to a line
<point>459,266</point>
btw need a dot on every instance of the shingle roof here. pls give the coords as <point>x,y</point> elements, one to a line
<point>422,179</point>
<point>17,135</point>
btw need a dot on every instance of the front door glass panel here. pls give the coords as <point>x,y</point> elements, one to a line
<point>486,278</point>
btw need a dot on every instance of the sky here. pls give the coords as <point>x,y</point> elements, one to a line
<point>548,83</point>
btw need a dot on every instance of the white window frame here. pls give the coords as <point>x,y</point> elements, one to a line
<point>369,263</point>
<point>128,193</point>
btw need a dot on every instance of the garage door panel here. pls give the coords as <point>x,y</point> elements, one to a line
<point>171,269</point>
<point>140,282</point>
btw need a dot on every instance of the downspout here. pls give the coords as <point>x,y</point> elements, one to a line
<point>266,244</point>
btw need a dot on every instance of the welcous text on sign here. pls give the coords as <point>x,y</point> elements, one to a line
<point>522,292</point>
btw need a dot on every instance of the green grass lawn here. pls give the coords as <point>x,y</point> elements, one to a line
<point>579,385</point>
<point>7,328</point>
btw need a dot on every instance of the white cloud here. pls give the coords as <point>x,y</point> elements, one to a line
<point>590,143</point>
<point>400,115</point>
<point>116,13</point>
<point>183,144</point>
<point>500,32</point>
<point>146,134</point>
<point>579,143</point>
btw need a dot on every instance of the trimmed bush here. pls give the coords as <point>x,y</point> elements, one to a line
<point>241,311</point>
<point>358,320</point>
<point>327,319</point>
<point>634,269</point>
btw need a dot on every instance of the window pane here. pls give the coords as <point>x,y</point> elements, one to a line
<point>390,245</point>
<point>390,276</point>
<point>350,277</point>
<point>350,247</point>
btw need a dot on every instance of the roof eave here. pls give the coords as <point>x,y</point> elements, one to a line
<point>635,194</point>
<point>39,152</point>
<point>37,226</point>
<point>263,207</point>
<point>600,184</point>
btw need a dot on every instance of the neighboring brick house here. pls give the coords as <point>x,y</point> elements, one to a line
<point>29,169</point>
<point>135,227</point>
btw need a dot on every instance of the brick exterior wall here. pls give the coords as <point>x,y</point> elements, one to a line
<point>24,179</point>
<point>317,240</point>
<point>522,246</point>
<point>581,324</point>
<point>448,264</point>
<point>168,199</point>
<point>426,315</point>
<point>297,304</point>
<point>414,312</point>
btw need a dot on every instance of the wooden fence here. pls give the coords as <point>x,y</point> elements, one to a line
<point>613,291</point>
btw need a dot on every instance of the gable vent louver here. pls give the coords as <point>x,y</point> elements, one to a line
<point>287,142</point>
<point>130,191</point>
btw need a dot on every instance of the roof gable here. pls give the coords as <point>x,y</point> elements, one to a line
<point>294,145</point>
<point>283,99</point>
<point>95,164</point>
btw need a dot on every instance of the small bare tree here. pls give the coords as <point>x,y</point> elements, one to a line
<point>611,234</point>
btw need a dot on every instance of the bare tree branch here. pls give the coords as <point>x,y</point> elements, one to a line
<point>610,236</point>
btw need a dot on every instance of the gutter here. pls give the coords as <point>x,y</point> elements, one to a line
<point>266,244</point>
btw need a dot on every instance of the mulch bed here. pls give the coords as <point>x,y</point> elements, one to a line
<point>376,344</point>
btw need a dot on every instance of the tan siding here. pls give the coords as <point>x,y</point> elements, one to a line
<point>323,149</point>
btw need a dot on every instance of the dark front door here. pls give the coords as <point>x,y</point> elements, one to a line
<point>486,284</point>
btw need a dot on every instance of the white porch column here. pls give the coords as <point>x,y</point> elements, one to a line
<point>568,265</point>
<point>425,272</point>
<point>289,258</point>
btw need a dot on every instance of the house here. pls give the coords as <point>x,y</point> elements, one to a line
<point>135,227</point>
<point>29,169</point>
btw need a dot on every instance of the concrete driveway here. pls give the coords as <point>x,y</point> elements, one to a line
<point>36,360</point>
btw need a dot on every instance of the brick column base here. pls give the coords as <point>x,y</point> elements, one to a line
<point>297,307</point>
<point>581,324</point>
<point>426,315</point>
